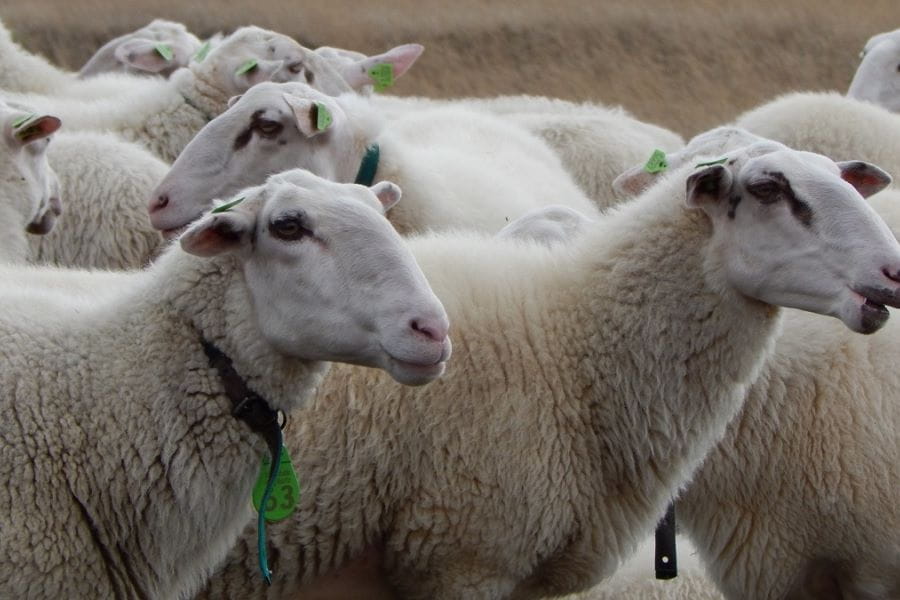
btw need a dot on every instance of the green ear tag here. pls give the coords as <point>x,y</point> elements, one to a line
<point>246,67</point>
<point>165,51</point>
<point>228,205</point>
<point>285,493</point>
<point>22,120</point>
<point>657,162</point>
<point>711,163</point>
<point>323,117</point>
<point>383,76</point>
<point>202,51</point>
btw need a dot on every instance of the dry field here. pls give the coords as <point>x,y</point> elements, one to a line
<point>687,65</point>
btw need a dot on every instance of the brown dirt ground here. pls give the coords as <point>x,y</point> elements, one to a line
<point>687,65</point>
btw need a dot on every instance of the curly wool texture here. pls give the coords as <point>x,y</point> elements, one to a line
<point>817,510</point>
<point>118,424</point>
<point>604,370</point>
<point>841,128</point>
<point>105,184</point>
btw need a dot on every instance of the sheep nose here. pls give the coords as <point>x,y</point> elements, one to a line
<point>159,203</point>
<point>435,330</point>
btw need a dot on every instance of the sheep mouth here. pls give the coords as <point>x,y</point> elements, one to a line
<point>872,303</point>
<point>415,373</point>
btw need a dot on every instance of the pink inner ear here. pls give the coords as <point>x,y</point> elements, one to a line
<point>214,237</point>
<point>865,179</point>
<point>40,128</point>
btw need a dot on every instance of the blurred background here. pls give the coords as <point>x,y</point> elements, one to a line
<point>687,65</point>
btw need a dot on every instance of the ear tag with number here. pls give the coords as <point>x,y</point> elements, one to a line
<point>323,117</point>
<point>165,51</point>
<point>246,67</point>
<point>285,493</point>
<point>657,162</point>
<point>383,76</point>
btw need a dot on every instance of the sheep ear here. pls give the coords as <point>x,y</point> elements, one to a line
<point>217,233</point>
<point>146,55</point>
<point>707,186</point>
<point>30,128</point>
<point>253,71</point>
<point>388,194</point>
<point>865,177</point>
<point>633,181</point>
<point>375,70</point>
<point>312,117</point>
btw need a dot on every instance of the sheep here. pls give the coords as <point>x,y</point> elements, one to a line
<point>589,380</point>
<point>356,68</point>
<point>106,182</point>
<point>458,168</point>
<point>877,79</point>
<point>164,115</point>
<point>29,191</point>
<point>552,224</point>
<point>121,428</point>
<point>29,73</point>
<point>809,514</point>
<point>830,124</point>
<point>145,51</point>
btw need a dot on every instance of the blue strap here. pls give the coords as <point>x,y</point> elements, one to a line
<point>366,174</point>
<point>261,518</point>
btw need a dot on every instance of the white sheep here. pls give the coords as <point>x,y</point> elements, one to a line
<point>29,191</point>
<point>831,124</point>
<point>552,224</point>
<point>877,79</point>
<point>106,182</point>
<point>815,514</point>
<point>125,472</point>
<point>164,115</point>
<point>159,47</point>
<point>457,167</point>
<point>589,380</point>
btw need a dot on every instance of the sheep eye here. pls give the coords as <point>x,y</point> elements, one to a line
<point>269,128</point>
<point>766,191</point>
<point>289,228</point>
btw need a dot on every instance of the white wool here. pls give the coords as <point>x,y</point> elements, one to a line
<point>105,182</point>
<point>594,142</point>
<point>831,124</point>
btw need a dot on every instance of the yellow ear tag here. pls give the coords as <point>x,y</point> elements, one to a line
<point>246,67</point>
<point>383,76</point>
<point>323,117</point>
<point>656,163</point>
<point>203,51</point>
<point>165,51</point>
<point>285,493</point>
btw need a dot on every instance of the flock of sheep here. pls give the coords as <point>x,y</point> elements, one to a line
<point>623,308</point>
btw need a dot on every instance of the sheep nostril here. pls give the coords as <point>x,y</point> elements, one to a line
<point>895,276</point>
<point>161,202</point>
<point>429,330</point>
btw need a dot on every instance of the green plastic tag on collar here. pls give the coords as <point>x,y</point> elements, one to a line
<point>22,120</point>
<point>285,493</point>
<point>227,206</point>
<point>202,51</point>
<point>711,163</point>
<point>383,76</point>
<point>165,51</point>
<point>323,117</point>
<point>657,162</point>
<point>246,67</point>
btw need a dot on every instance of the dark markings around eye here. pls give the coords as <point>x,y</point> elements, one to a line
<point>800,209</point>
<point>244,137</point>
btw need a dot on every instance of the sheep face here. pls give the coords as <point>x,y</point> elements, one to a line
<point>29,182</point>
<point>144,51</point>
<point>252,55</point>
<point>877,78</point>
<point>271,128</point>
<point>329,277</point>
<point>792,229</point>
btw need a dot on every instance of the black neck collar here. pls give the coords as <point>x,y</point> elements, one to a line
<point>246,405</point>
